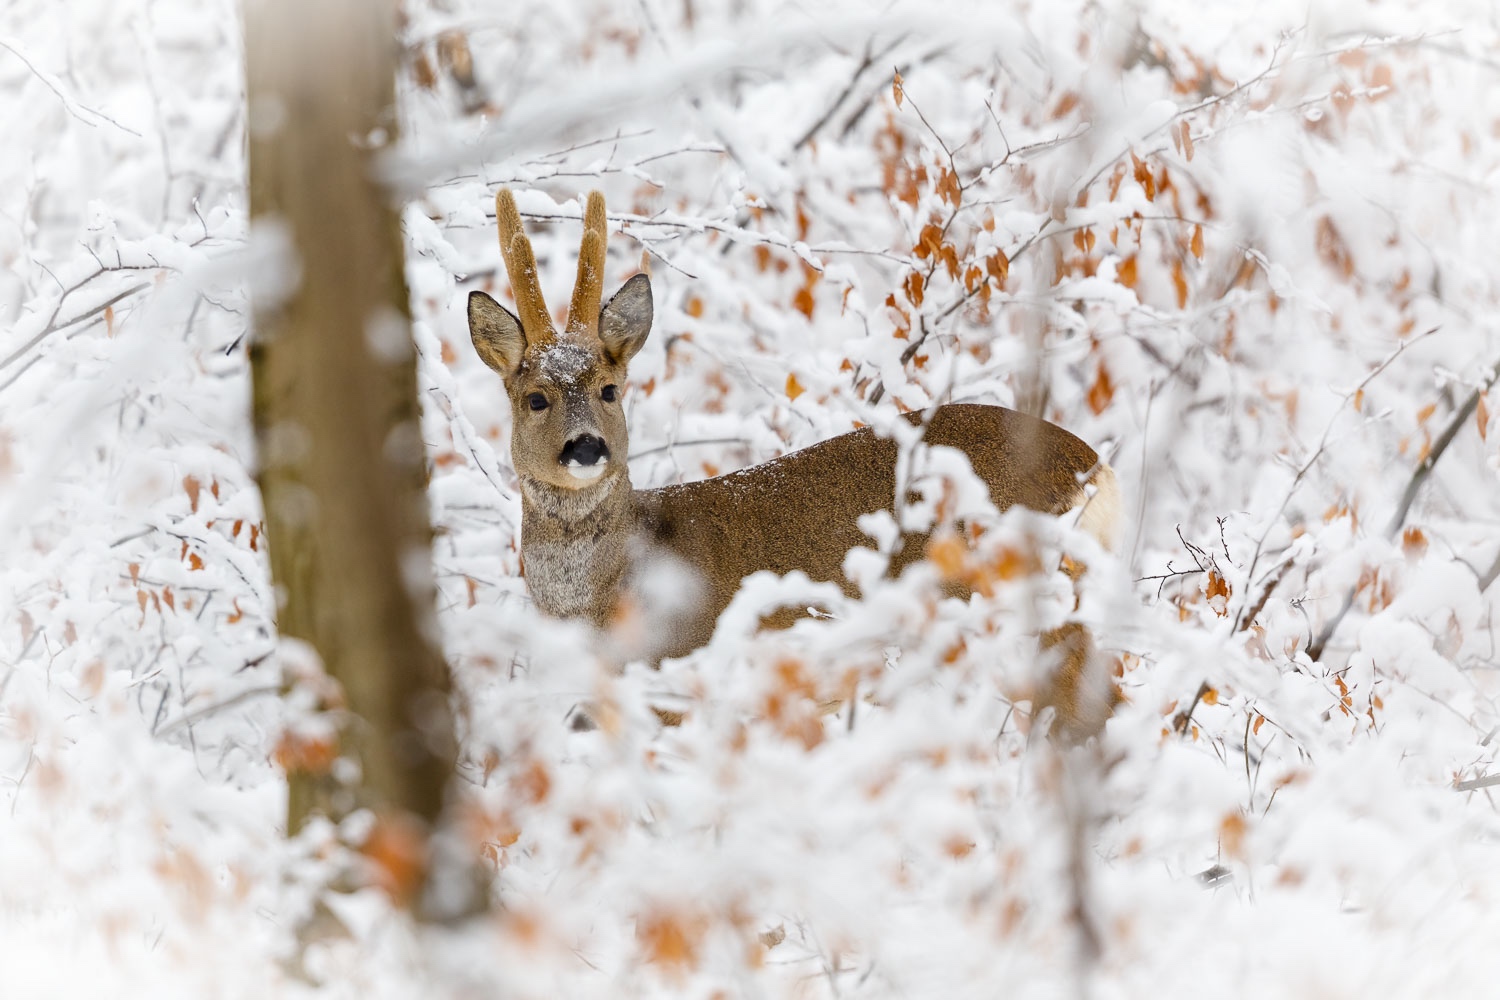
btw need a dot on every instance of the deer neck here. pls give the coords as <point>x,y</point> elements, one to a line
<point>575,545</point>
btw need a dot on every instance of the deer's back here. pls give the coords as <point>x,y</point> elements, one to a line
<point>800,512</point>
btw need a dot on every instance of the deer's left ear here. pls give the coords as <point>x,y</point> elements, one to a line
<point>625,320</point>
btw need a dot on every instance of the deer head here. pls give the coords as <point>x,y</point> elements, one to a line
<point>568,425</point>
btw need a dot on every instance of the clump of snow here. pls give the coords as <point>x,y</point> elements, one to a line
<point>565,361</point>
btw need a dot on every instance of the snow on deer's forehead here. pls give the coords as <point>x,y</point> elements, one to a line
<point>565,361</point>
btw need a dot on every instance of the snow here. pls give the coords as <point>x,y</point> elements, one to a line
<point>857,806</point>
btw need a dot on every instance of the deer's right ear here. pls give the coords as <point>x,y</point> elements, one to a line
<point>496,333</point>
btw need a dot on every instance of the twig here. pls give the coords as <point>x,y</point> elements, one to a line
<point>188,718</point>
<point>685,444</point>
<point>1489,575</point>
<point>1273,579</point>
<point>1424,468</point>
<point>903,69</point>
<point>1483,781</point>
<point>869,60</point>
<point>74,107</point>
<point>1318,453</point>
<point>1419,476</point>
<point>1184,719</point>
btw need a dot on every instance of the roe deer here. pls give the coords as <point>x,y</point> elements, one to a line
<point>586,535</point>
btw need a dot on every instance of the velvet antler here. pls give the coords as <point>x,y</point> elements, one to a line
<point>520,264</point>
<point>583,313</point>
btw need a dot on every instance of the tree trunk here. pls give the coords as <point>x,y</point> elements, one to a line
<point>336,420</point>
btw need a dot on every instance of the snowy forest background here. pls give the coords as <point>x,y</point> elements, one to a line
<point>1240,248</point>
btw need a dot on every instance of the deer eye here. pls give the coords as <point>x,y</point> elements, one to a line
<point>608,393</point>
<point>536,401</point>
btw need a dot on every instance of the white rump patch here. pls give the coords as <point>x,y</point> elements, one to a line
<point>1101,512</point>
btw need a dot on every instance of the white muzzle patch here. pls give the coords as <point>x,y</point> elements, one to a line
<point>586,473</point>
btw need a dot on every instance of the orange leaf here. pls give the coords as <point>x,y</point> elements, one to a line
<point>1115,180</point>
<point>897,91</point>
<point>1482,414</point>
<point>803,302</point>
<point>533,784</point>
<point>947,554</point>
<point>930,242</point>
<point>694,307</point>
<point>1232,835</point>
<point>397,852</point>
<point>793,387</point>
<point>1413,543</point>
<point>1179,283</point>
<point>1334,250</point>
<point>949,257</point>
<point>296,753</point>
<point>1196,243</point>
<point>1101,392</point>
<point>903,323</point>
<point>1260,720</point>
<point>1187,142</point>
<point>913,287</point>
<point>1143,177</point>
<point>1217,585</point>
<point>1015,564</point>
<point>194,562</point>
<point>948,188</point>
<point>670,939</point>
<point>1126,273</point>
<point>191,484</point>
<point>998,265</point>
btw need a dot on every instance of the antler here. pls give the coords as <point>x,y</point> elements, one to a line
<point>520,264</point>
<point>583,313</point>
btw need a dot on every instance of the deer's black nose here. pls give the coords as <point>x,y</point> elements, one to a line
<point>585,449</point>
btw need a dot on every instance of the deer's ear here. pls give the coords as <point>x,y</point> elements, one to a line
<point>496,333</point>
<point>625,320</point>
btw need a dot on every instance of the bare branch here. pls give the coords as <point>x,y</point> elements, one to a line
<point>1318,453</point>
<point>1419,476</point>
